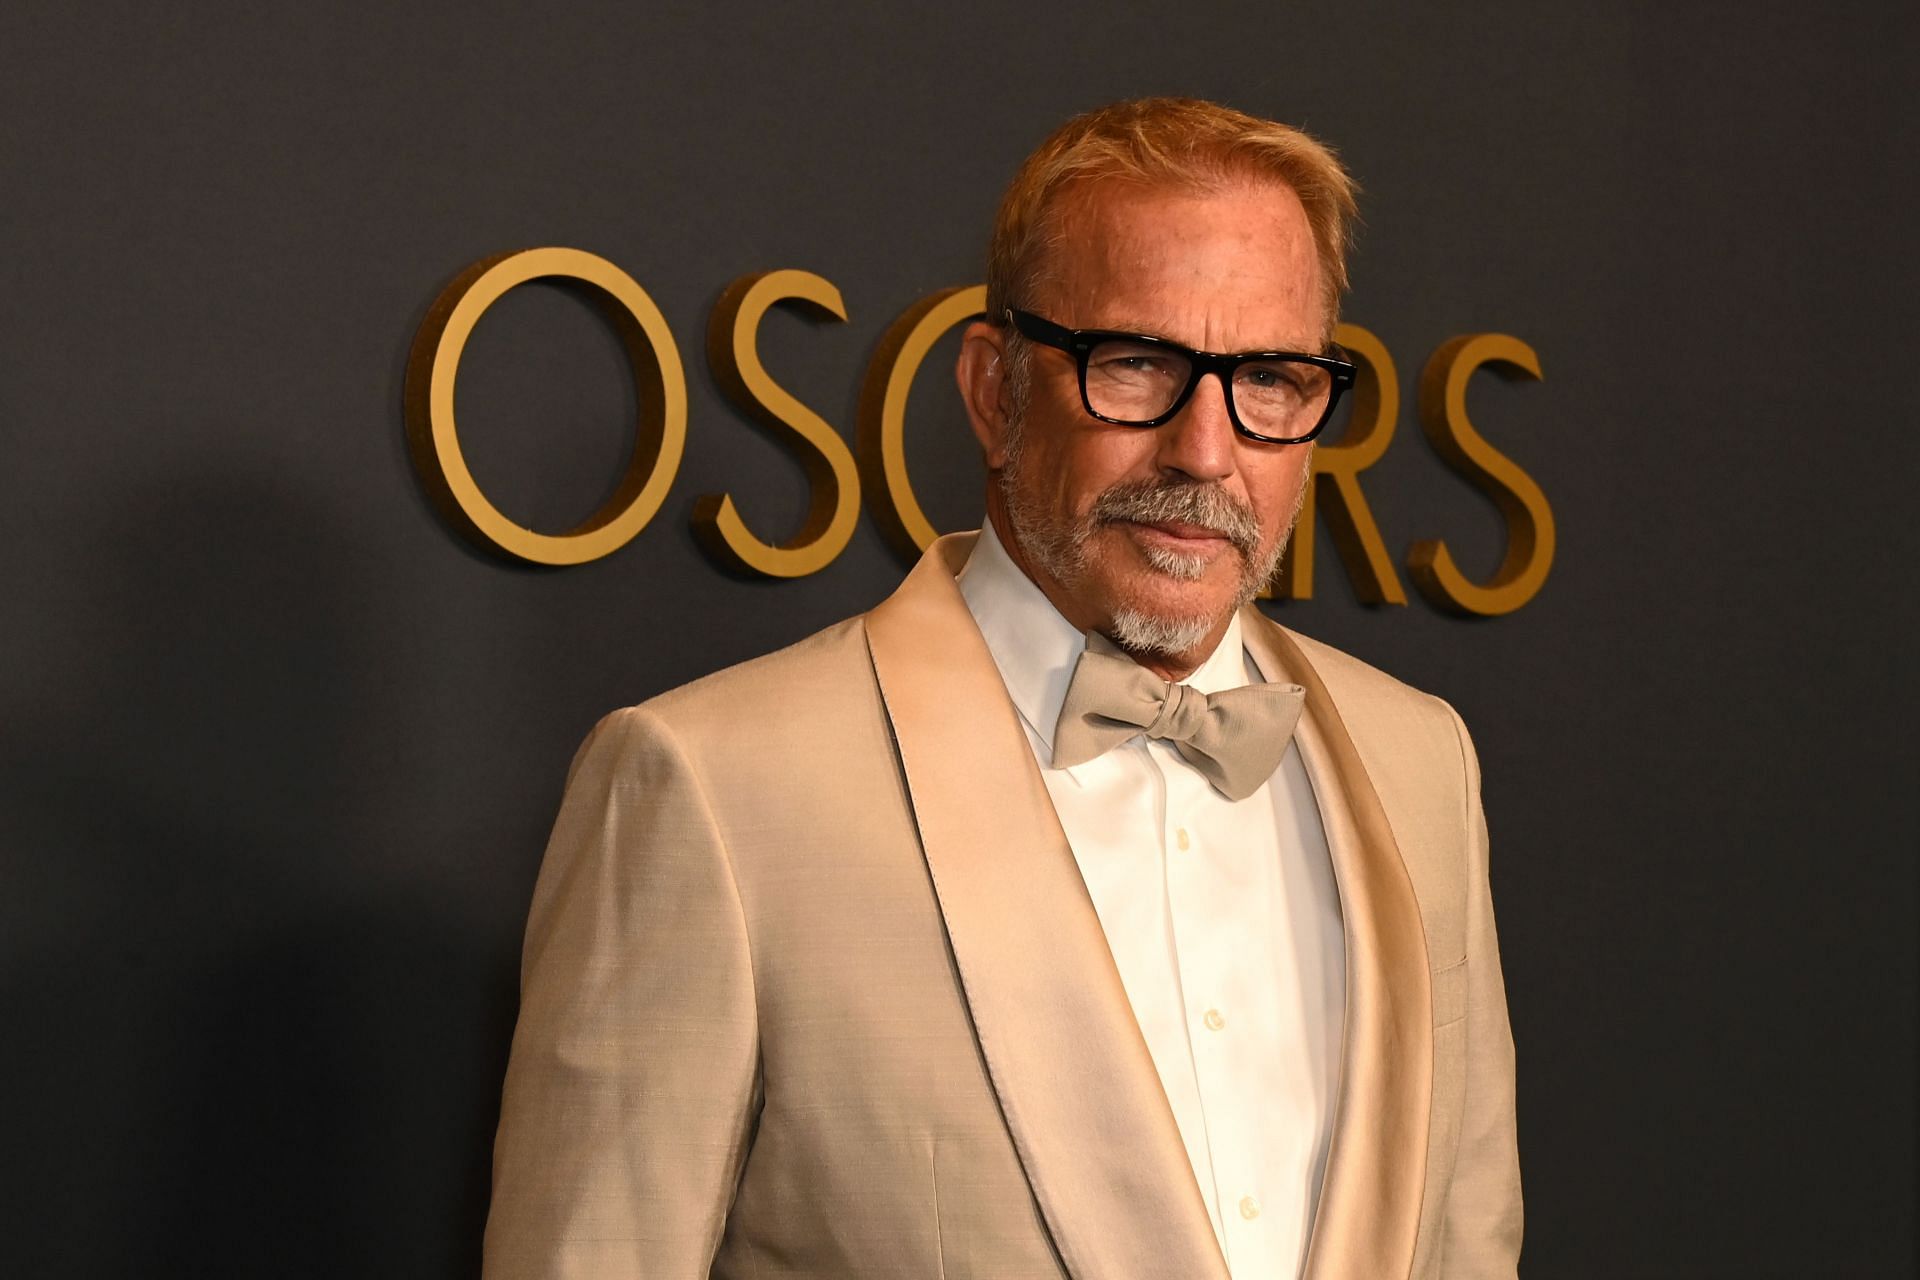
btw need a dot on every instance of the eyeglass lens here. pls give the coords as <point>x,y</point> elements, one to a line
<point>1136,382</point>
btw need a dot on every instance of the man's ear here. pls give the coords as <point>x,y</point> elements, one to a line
<point>982,374</point>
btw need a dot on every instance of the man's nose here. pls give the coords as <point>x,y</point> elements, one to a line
<point>1198,442</point>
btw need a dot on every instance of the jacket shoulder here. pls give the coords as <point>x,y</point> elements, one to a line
<point>804,689</point>
<point>1401,732</point>
<point>1365,688</point>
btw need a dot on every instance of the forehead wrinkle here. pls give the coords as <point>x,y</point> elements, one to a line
<point>1108,266</point>
<point>1169,331</point>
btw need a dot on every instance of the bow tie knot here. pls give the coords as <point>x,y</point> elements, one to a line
<point>1181,714</point>
<point>1235,738</point>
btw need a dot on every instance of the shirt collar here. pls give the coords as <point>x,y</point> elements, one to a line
<point>1036,649</point>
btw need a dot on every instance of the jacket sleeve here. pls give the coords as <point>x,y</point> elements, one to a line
<point>633,1084</point>
<point>1482,1228</point>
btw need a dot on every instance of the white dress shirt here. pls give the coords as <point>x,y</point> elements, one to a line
<point>1223,919</point>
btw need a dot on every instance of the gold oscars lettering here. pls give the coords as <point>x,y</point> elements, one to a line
<point>659,381</point>
<point>876,467</point>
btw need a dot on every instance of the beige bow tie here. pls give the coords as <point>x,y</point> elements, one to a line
<point>1235,738</point>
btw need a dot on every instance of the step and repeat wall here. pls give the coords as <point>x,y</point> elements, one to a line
<point>387,396</point>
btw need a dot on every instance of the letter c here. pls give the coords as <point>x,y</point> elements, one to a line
<point>883,412</point>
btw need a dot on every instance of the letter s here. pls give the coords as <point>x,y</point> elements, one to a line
<point>832,479</point>
<point>1530,532</point>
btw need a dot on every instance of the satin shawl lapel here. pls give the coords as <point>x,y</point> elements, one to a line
<point>1369,1210</point>
<point>1080,1094</point>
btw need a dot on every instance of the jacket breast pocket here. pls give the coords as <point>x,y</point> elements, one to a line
<point>1449,1092</point>
<point>987,1223</point>
<point>1450,993</point>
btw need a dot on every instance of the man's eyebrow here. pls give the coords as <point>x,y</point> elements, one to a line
<point>1316,345</point>
<point>1145,328</point>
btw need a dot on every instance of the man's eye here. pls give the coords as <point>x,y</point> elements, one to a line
<point>1131,365</point>
<point>1277,380</point>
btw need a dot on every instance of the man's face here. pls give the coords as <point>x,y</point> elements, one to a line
<point>1156,536</point>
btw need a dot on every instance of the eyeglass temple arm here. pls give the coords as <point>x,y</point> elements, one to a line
<point>1039,329</point>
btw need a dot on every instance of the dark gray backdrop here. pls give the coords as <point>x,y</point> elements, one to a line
<point>280,750</point>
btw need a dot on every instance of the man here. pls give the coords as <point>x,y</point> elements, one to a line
<point>1063,915</point>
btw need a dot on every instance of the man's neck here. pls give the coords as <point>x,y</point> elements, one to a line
<point>1171,667</point>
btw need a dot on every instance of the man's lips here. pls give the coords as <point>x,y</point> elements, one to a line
<point>1179,531</point>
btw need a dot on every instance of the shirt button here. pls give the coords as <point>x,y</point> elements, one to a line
<point>1180,838</point>
<point>1214,1022</point>
<point>1249,1208</point>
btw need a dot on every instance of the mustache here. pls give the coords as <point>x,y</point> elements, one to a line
<point>1194,502</point>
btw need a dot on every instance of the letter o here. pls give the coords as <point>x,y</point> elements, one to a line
<point>883,411</point>
<point>659,381</point>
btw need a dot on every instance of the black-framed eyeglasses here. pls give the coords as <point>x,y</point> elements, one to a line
<point>1138,380</point>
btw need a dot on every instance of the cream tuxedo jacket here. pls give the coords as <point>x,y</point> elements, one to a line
<point>812,987</point>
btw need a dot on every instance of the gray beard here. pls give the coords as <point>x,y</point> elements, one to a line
<point>1060,548</point>
<point>1139,632</point>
